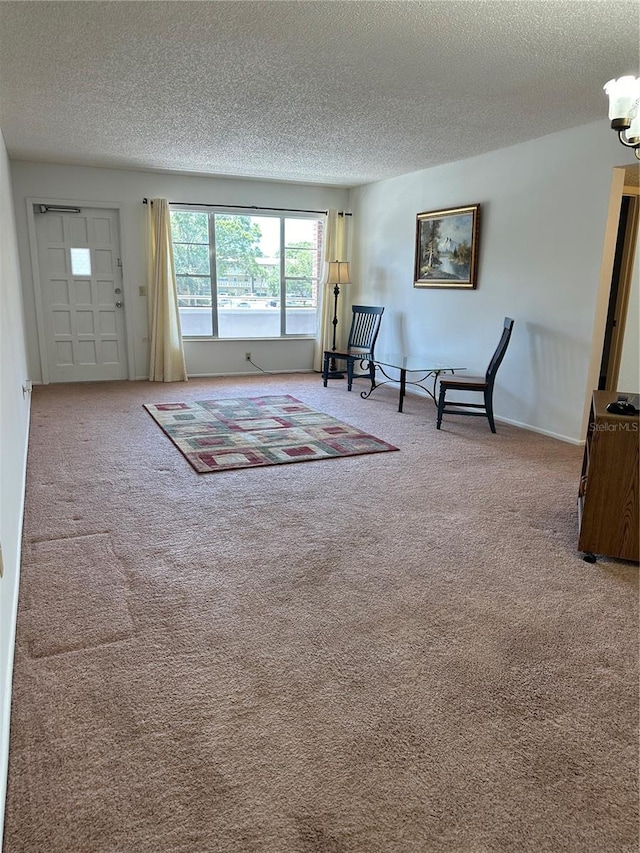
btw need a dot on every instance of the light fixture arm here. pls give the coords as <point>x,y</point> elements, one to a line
<point>635,144</point>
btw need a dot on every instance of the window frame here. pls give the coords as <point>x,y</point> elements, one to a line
<point>282,217</point>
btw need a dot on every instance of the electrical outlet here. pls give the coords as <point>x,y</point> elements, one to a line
<point>247,356</point>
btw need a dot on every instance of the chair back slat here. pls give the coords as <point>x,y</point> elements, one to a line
<point>496,358</point>
<point>365,325</point>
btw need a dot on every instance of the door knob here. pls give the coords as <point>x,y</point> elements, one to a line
<point>118,304</point>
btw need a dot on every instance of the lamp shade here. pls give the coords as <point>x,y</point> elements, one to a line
<point>338,273</point>
<point>624,97</point>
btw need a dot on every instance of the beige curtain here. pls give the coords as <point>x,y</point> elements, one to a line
<point>166,357</point>
<point>335,249</point>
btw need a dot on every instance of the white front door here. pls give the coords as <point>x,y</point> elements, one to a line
<point>81,294</point>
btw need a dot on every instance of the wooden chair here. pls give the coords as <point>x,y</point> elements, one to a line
<point>365,325</point>
<point>482,384</point>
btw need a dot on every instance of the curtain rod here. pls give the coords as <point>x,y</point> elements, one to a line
<point>247,207</point>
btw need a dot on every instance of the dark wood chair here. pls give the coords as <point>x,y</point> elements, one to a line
<point>481,384</point>
<point>365,325</point>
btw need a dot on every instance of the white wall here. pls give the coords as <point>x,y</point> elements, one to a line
<point>75,184</point>
<point>14,428</point>
<point>543,213</point>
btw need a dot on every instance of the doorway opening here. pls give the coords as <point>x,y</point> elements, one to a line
<point>621,279</point>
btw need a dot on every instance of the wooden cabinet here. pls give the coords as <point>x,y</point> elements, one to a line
<point>608,504</point>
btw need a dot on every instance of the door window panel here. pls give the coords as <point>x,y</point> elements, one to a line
<point>80,261</point>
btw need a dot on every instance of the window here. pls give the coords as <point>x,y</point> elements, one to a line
<point>80,261</point>
<point>243,276</point>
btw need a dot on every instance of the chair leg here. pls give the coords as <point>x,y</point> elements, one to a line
<point>488,404</point>
<point>441,397</point>
<point>349,374</point>
<point>325,370</point>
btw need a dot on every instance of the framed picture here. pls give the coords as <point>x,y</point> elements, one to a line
<point>447,248</point>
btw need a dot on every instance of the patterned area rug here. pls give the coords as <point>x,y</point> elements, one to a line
<point>218,435</point>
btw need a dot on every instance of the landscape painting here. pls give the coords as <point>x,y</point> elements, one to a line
<point>447,248</point>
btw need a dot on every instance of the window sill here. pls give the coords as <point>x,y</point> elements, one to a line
<point>200,339</point>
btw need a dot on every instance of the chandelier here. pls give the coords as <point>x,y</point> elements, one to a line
<point>624,110</point>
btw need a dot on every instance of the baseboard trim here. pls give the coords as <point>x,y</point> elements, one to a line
<point>5,692</point>
<point>567,439</point>
<point>255,373</point>
<point>576,441</point>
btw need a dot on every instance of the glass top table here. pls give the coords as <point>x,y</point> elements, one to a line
<point>428,366</point>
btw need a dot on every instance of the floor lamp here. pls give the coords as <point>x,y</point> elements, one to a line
<point>338,274</point>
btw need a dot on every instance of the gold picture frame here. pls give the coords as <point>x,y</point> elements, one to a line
<point>447,248</point>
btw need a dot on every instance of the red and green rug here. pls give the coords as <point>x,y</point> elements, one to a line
<point>219,435</point>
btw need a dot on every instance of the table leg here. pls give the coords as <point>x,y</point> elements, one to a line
<point>436,373</point>
<point>403,385</point>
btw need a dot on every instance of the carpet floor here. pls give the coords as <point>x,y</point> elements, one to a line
<point>391,653</point>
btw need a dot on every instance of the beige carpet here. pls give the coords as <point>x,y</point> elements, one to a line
<point>394,653</point>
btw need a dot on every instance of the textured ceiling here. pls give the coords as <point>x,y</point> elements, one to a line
<point>339,93</point>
